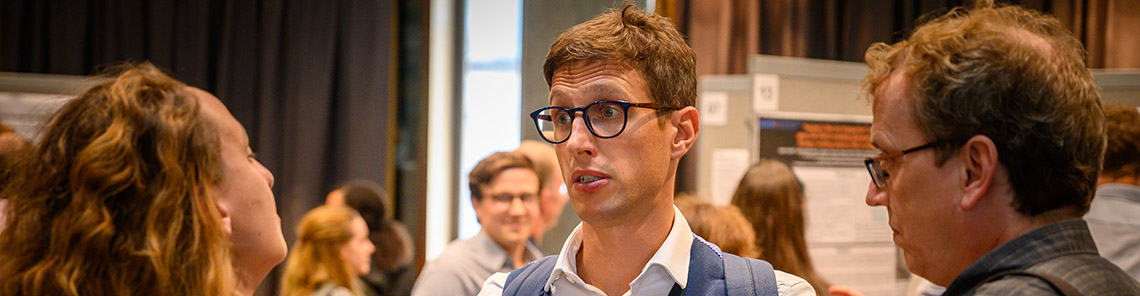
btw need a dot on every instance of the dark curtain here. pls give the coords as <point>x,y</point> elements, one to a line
<point>723,33</point>
<point>311,81</point>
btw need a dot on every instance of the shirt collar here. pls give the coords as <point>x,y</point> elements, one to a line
<point>1118,191</point>
<point>496,257</point>
<point>673,255</point>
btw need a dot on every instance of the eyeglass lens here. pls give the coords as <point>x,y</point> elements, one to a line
<point>604,119</point>
<point>877,176</point>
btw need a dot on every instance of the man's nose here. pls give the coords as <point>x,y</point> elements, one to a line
<point>581,141</point>
<point>875,195</point>
<point>517,207</point>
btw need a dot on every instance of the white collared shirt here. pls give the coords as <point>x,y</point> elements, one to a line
<point>669,266</point>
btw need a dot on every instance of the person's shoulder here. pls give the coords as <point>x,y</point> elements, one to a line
<point>441,279</point>
<point>332,290</point>
<point>1015,285</point>
<point>790,284</point>
<point>457,254</point>
<point>495,284</point>
<point>1089,273</point>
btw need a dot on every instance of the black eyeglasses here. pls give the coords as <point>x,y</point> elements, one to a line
<point>875,165</point>
<point>604,119</point>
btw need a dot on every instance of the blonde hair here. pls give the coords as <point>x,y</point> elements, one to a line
<point>116,198</point>
<point>724,226</point>
<point>393,244</point>
<point>315,259</point>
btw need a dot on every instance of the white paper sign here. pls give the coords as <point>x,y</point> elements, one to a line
<point>714,108</point>
<point>765,92</point>
<point>728,166</point>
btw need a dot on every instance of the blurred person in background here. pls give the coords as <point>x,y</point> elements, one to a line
<point>331,251</point>
<point>11,145</point>
<point>552,198</point>
<point>391,273</point>
<point>1114,216</point>
<point>141,185</point>
<point>772,199</point>
<point>504,191</point>
<point>723,226</point>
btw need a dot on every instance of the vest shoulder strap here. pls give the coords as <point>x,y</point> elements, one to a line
<point>747,276</point>
<point>530,279</point>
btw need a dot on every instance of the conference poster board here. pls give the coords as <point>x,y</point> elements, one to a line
<point>850,243</point>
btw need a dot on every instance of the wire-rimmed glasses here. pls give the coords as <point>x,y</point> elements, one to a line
<point>875,165</point>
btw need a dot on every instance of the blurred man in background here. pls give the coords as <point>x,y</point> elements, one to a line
<point>504,192</point>
<point>1114,217</point>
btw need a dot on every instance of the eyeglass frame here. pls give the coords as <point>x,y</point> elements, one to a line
<point>525,198</point>
<point>590,126</point>
<point>873,164</point>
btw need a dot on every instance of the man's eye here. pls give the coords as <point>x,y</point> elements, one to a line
<point>609,112</point>
<point>563,118</point>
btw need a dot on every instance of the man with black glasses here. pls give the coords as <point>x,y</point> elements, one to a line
<point>504,192</point>
<point>621,116</point>
<point>992,136</point>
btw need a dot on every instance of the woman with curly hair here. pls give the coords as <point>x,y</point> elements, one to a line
<point>332,249</point>
<point>140,186</point>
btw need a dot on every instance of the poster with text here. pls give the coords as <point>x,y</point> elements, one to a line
<point>850,243</point>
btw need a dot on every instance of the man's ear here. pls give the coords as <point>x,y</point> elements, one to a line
<point>224,212</point>
<point>980,162</point>
<point>688,123</point>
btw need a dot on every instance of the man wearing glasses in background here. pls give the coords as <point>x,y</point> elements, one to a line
<point>621,116</point>
<point>504,192</point>
<point>992,136</point>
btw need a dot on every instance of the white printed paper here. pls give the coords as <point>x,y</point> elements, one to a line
<point>714,108</point>
<point>765,92</point>
<point>728,166</point>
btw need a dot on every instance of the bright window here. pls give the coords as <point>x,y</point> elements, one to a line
<point>492,92</point>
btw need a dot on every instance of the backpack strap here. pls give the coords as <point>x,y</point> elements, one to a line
<point>530,279</point>
<point>747,276</point>
<point>706,269</point>
<point>708,266</point>
<point>1056,283</point>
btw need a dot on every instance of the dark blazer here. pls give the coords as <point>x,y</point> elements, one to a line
<point>1063,249</point>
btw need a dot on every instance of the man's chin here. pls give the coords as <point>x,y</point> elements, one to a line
<point>513,238</point>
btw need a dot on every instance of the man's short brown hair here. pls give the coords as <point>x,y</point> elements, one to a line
<point>1122,155</point>
<point>1016,76</point>
<point>489,168</point>
<point>645,42</point>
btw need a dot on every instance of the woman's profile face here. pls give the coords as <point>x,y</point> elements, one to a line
<point>358,252</point>
<point>244,195</point>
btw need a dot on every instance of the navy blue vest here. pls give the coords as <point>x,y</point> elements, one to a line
<point>711,272</point>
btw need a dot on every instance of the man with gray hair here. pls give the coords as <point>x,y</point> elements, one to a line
<point>991,132</point>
